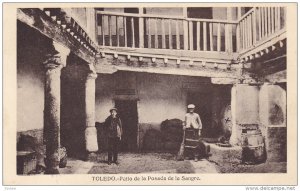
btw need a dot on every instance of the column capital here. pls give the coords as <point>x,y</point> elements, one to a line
<point>57,59</point>
<point>92,75</point>
<point>92,72</point>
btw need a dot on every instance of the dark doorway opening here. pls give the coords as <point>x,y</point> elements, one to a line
<point>199,12</point>
<point>202,101</point>
<point>127,111</point>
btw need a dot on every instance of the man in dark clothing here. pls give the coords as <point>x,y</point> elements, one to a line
<point>113,128</point>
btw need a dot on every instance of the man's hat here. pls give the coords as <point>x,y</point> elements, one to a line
<point>191,106</point>
<point>113,109</point>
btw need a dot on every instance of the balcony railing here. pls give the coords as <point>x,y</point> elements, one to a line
<point>258,25</point>
<point>178,33</point>
<point>165,32</point>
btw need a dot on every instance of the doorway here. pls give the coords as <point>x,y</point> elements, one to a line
<point>202,101</point>
<point>127,111</point>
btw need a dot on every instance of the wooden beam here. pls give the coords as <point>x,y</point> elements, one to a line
<point>204,36</point>
<point>254,26</point>
<point>163,34</point>
<point>102,30</point>
<point>38,20</point>
<point>125,31</point>
<point>211,43</point>
<point>141,29</point>
<point>238,37</point>
<point>224,80</point>
<point>185,29</point>
<point>219,37</point>
<point>109,30</point>
<point>244,39</point>
<point>259,23</point>
<point>269,20</point>
<point>170,34</point>
<point>266,21</point>
<point>149,32</point>
<point>229,27</point>
<point>279,19</point>
<point>96,27</point>
<point>177,35</point>
<point>250,30</point>
<point>117,31</point>
<point>172,53</point>
<point>198,36</point>
<point>276,18</point>
<point>132,32</point>
<point>155,34</point>
<point>272,20</point>
<point>191,35</point>
<point>174,67</point>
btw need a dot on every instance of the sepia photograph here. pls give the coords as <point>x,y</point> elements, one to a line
<point>152,89</point>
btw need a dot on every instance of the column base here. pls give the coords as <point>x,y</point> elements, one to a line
<point>92,157</point>
<point>91,142</point>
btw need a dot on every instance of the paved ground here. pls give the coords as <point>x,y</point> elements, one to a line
<point>268,167</point>
<point>139,163</point>
<point>164,163</point>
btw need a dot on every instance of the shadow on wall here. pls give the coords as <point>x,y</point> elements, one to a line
<point>276,115</point>
<point>101,137</point>
<point>73,107</point>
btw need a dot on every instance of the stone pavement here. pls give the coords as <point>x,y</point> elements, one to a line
<point>139,163</point>
<point>76,167</point>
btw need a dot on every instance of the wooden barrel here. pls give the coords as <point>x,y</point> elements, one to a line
<point>253,146</point>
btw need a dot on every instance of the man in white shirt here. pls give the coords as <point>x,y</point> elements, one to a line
<point>192,120</point>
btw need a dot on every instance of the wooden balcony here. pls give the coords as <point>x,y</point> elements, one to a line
<point>166,35</point>
<point>259,29</point>
<point>165,44</point>
<point>180,37</point>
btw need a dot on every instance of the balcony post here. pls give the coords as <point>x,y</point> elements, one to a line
<point>185,30</point>
<point>229,30</point>
<point>238,30</point>
<point>91,23</point>
<point>141,28</point>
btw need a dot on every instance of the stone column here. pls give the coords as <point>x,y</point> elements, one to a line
<point>244,110</point>
<point>233,138</point>
<point>272,115</point>
<point>53,66</point>
<point>215,109</point>
<point>91,142</point>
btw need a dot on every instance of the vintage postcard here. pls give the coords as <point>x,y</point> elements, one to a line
<point>150,94</point>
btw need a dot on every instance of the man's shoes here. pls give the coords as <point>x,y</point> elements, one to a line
<point>196,159</point>
<point>109,162</point>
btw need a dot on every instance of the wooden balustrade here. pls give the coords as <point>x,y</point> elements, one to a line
<point>169,32</point>
<point>259,24</point>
